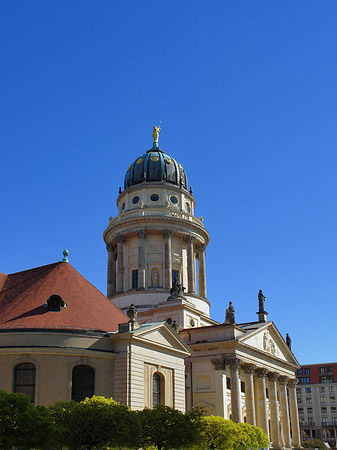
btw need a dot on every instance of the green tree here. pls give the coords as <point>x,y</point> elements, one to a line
<point>221,434</point>
<point>96,422</point>
<point>23,426</point>
<point>314,443</point>
<point>167,428</point>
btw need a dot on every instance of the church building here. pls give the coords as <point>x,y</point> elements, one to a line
<point>151,340</point>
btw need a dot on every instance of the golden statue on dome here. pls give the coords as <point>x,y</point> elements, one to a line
<point>155,133</point>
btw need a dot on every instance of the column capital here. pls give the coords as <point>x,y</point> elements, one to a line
<point>248,368</point>
<point>292,382</point>
<point>261,372</point>
<point>189,239</point>
<point>167,233</point>
<point>219,364</point>
<point>120,238</point>
<point>273,376</point>
<point>201,247</point>
<point>141,234</point>
<point>110,247</point>
<point>234,363</point>
<point>283,380</point>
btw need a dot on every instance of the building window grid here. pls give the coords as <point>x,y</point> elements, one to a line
<point>134,279</point>
<point>332,399</point>
<point>326,379</point>
<point>24,380</point>
<point>309,400</point>
<point>156,390</point>
<point>308,390</point>
<point>307,371</point>
<point>304,380</point>
<point>83,381</point>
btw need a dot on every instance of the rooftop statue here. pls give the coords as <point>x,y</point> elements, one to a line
<point>177,291</point>
<point>230,315</point>
<point>288,341</point>
<point>261,298</point>
<point>155,133</point>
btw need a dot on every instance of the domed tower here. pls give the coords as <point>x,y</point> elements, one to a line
<point>155,242</point>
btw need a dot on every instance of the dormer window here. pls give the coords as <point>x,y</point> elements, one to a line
<point>56,303</point>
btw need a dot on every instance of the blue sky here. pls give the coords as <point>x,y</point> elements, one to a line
<point>247,94</point>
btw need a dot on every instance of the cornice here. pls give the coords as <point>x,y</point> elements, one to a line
<point>158,223</point>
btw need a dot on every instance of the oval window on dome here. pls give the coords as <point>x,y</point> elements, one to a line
<point>174,199</point>
<point>139,161</point>
<point>169,161</point>
<point>154,197</point>
<point>154,158</point>
<point>135,199</point>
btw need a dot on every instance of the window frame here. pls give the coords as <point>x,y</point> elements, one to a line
<point>17,385</point>
<point>82,388</point>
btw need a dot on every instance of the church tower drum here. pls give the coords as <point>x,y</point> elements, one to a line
<point>155,241</point>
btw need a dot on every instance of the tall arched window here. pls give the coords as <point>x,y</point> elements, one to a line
<point>24,380</point>
<point>158,390</point>
<point>83,382</point>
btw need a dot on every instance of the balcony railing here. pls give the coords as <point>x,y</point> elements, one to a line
<point>155,213</point>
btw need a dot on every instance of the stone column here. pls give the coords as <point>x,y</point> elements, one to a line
<point>167,259</point>
<point>220,387</point>
<point>235,389</point>
<point>295,426</point>
<point>141,259</point>
<point>274,413</point>
<point>261,404</point>
<point>190,264</point>
<point>250,398</point>
<point>120,262</point>
<point>202,271</point>
<point>111,275</point>
<point>283,380</point>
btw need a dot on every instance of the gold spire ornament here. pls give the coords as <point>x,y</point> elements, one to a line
<point>155,135</point>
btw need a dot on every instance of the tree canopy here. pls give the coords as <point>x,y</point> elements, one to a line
<point>167,428</point>
<point>220,434</point>
<point>23,426</point>
<point>96,422</point>
<point>314,443</point>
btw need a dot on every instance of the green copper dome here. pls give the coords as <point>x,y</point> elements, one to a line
<point>155,165</point>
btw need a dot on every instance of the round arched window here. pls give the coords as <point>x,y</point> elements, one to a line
<point>188,207</point>
<point>135,199</point>
<point>174,199</point>
<point>154,197</point>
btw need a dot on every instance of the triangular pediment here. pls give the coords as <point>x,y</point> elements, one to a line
<point>161,335</point>
<point>267,339</point>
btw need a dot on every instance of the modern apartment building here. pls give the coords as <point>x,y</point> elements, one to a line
<point>316,399</point>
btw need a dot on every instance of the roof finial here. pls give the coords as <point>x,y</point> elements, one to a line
<point>155,135</point>
<point>65,254</point>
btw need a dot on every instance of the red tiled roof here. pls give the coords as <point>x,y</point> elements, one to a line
<point>23,296</point>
